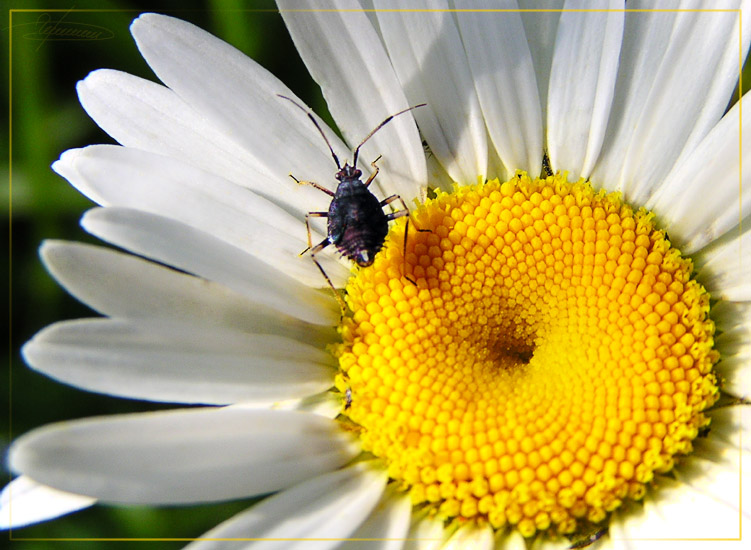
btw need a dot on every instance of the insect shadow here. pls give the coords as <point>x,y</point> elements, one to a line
<point>357,224</point>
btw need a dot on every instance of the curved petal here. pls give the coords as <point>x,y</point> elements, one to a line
<point>725,269</point>
<point>194,251</point>
<point>581,93</point>
<point>177,362</point>
<point>121,285</point>
<point>543,542</point>
<point>733,322</point>
<point>427,54</point>
<point>714,469</point>
<point>387,526</point>
<point>723,84</point>
<point>731,315</point>
<point>691,54</point>
<point>347,59</point>
<point>470,536</point>
<point>425,533</point>
<point>183,456</point>
<point>731,427</point>
<point>514,540</point>
<point>694,216</point>
<point>501,65</point>
<point>540,18</point>
<point>677,511</point>
<point>330,506</point>
<point>238,97</point>
<point>120,176</point>
<point>617,537</point>
<point>24,502</point>
<point>144,115</point>
<point>328,404</point>
<point>736,374</point>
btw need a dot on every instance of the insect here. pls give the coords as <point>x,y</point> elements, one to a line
<point>347,399</point>
<point>357,224</point>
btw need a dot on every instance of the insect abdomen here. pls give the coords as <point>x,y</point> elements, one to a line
<point>357,226</point>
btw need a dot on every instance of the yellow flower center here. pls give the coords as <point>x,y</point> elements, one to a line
<point>538,354</point>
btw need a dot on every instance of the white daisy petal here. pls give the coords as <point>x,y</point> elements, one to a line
<point>694,216</point>
<point>470,536</point>
<point>714,468</point>
<point>617,537</point>
<point>387,525</point>
<point>513,540</point>
<point>347,59</point>
<point>675,510</point>
<point>426,51</point>
<point>543,542</point>
<point>734,321</point>
<point>730,315</point>
<point>734,341</point>
<point>580,94</point>
<point>425,533</point>
<point>731,426</point>
<point>735,374</point>
<point>238,96</point>
<point>24,502</point>
<point>540,18</point>
<point>735,371</point>
<point>328,404</point>
<point>183,456</point>
<point>145,115</point>
<point>121,285</point>
<point>504,77</point>
<point>330,506</point>
<point>724,81</point>
<point>725,270</point>
<point>120,176</point>
<point>667,55</point>
<point>177,362</point>
<point>194,251</point>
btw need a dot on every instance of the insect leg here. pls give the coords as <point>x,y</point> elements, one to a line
<point>317,248</point>
<point>307,226</point>
<point>312,183</point>
<point>375,173</point>
<point>399,214</point>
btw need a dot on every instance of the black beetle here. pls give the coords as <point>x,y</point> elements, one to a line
<point>357,224</point>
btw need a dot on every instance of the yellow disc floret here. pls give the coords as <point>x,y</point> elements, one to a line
<point>538,354</point>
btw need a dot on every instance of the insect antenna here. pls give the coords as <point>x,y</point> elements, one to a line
<point>381,125</point>
<point>310,116</point>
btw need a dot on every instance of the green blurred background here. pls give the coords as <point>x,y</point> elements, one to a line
<point>46,120</point>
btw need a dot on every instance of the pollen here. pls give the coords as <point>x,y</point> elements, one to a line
<point>531,358</point>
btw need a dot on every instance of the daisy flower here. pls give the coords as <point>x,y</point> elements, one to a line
<point>557,357</point>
